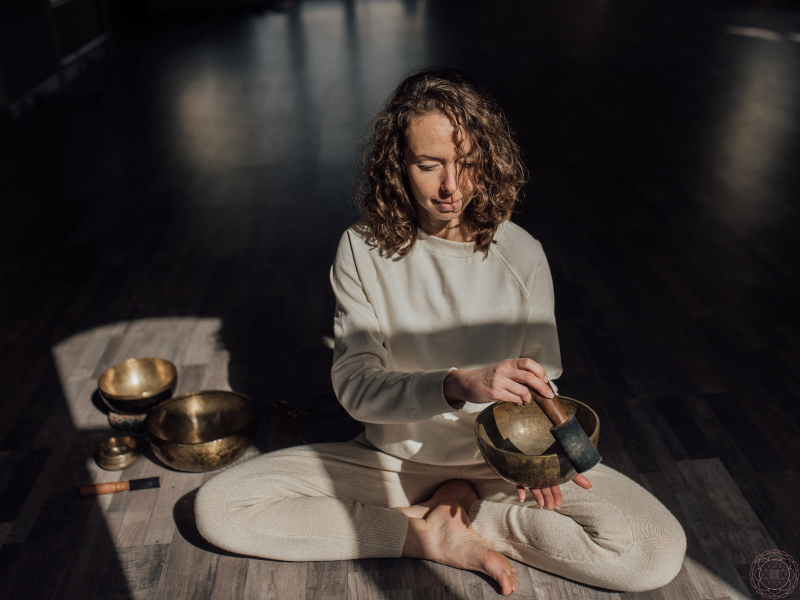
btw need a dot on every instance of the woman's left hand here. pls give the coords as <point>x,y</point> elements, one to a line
<point>550,497</point>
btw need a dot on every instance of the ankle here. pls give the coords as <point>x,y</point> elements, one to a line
<point>414,546</point>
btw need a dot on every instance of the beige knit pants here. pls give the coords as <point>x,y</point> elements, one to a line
<point>332,502</point>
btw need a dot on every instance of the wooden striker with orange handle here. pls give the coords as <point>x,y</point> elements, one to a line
<point>120,486</point>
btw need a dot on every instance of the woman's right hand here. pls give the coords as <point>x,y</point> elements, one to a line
<point>507,381</point>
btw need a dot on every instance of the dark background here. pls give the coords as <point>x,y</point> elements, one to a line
<point>203,166</point>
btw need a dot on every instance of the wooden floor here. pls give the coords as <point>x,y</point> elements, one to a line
<point>185,200</point>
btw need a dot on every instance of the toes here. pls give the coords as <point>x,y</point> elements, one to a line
<point>507,584</point>
<point>501,569</point>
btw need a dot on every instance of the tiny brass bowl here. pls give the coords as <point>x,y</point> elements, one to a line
<point>517,444</point>
<point>201,431</point>
<point>137,385</point>
<point>117,453</point>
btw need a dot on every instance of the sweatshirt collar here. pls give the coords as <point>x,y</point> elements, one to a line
<point>450,248</point>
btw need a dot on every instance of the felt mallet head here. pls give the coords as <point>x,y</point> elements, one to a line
<point>576,444</point>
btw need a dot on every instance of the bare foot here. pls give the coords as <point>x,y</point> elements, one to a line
<point>446,536</point>
<point>455,490</point>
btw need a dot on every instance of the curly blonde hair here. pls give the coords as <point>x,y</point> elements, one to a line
<point>497,172</point>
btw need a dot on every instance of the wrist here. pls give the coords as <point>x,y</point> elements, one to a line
<point>451,389</point>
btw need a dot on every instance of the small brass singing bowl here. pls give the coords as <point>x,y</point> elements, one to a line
<point>201,431</point>
<point>517,444</point>
<point>117,453</point>
<point>137,385</point>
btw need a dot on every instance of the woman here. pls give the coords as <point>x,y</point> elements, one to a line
<point>443,305</point>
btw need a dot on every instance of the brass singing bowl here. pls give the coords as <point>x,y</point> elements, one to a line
<point>201,431</point>
<point>517,444</point>
<point>117,453</point>
<point>138,384</point>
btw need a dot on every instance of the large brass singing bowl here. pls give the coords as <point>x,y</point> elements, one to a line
<point>201,431</point>
<point>138,384</point>
<point>517,444</point>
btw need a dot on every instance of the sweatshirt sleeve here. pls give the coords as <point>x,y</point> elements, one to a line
<point>541,335</point>
<point>364,385</point>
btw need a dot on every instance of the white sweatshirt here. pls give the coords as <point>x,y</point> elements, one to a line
<point>402,324</point>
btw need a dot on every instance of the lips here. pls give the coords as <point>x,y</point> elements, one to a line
<point>447,206</point>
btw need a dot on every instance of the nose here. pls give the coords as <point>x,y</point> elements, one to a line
<point>450,180</point>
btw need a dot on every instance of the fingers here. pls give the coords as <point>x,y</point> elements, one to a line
<point>543,389</point>
<point>512,380</point>
<point>534,385</point>
<point>558,499</point>
<point>528,364</point>
<point>548,498</point>
<point>490,384</point>
<point>539,497</point>
<point>521,392</point>
<point>549,503</point>
<point>533,375</point>
<point>521,493</point>
<point>582,481</point>
<point>512,398</point>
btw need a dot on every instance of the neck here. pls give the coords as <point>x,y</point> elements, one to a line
<point>446,230</point>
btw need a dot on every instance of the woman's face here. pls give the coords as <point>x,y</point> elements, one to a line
<point>434,169</point>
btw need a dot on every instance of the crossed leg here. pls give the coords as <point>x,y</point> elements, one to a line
<point>347,501</point>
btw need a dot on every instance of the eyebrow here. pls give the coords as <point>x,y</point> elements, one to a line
<point>426,157</point>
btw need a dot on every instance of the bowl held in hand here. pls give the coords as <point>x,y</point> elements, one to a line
<point>516,442</point>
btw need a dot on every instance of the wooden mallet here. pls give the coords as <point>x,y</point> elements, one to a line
<point>120,486</point>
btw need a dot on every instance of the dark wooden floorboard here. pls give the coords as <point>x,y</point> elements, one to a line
<point>326,580</point>
<point>135,573</point>
<point>192,209</point>
<point>271,579</point>
<point>189,572</point>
